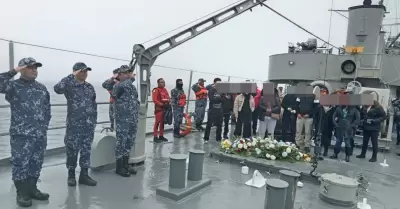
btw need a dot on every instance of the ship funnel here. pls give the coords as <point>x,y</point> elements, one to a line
<point>364,30</point>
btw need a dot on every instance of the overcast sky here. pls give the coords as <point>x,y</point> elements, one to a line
<point>240,47</point>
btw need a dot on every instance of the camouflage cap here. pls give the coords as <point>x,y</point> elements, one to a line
<point>81,66</point>
<point>116,71</point>
<point>124,69</point>
<point>201,80</point>
<point>29,61</point>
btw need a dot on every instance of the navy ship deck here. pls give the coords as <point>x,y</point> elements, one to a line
<point>227,190</point>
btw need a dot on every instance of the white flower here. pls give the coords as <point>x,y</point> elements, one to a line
<point>254,139</point>
<point>293,111</point>
<point>287,143</point>
<point>300,154</point>
<point>273,157</point>
<point>275,142</point>
<point>284,154</point>
<point>289,109</point>
<point>249,144</point>
<point>258,151</point>
<point>234,145</point>
<point>240,146</point>
<point>272,146</point>
<point>268,156</point>
<point>288,150</point>
<point>297,157</point>
<point>245,146</point>
<point>293,145</point>
<point>262,141</point>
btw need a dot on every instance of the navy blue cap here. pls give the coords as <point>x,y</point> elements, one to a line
<point>116,71</point>
<point>29,61</point>
<point>81,66</point>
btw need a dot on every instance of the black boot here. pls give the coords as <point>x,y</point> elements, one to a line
<point>23,198</point>
<point>373,158</point>
<point>85,179</point>
<point>71,178</point>
<point>156,140</point>
<point>398,142</point>
<point>199,127</point>
<point>163,139</point>
<point>325,152</point>
<point>120,170</point>
<point>34,192</point>
<point>348,153</point>
<point>362,156</point>
<point>127,167</point>
<point>334,156</point>
<point>177,133</point>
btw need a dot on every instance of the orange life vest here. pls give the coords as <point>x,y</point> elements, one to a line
<point>182,100</point>
<point>202,94</point>
<point>111,98</point>
<point>160,97</point>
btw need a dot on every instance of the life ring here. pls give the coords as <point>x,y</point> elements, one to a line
<point>188,129</point>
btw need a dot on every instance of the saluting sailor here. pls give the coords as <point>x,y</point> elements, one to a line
<point>30,116</point>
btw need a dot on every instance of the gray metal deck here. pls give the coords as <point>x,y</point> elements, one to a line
<point>227,190</point>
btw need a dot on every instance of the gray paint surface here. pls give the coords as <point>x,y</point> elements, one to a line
<point>227,190</point>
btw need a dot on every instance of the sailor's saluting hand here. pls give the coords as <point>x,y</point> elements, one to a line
<point>19,68</point>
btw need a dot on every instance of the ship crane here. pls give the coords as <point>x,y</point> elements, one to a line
<point>144,58</point>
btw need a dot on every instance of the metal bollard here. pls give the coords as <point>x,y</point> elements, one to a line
<point>177,171</point>
<point>291,178</point>
<point>275,197</point>
<point>195,170</point>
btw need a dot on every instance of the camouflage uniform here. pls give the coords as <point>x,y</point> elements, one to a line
<point>126,116</point>
<point>111,114</point>
<point>108,85</point>
<point>177,109</point>
<point>30,116</point>
<point>81,119</point>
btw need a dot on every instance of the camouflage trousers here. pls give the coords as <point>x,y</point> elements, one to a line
<point>27,154</point>
<point>178,117</point>
<point>200,111</point>
<point>111,114</point>
<point>78,140</point>
<point>126,135</point>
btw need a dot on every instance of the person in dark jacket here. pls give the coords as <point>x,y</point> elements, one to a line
<point>290,107</point>
<point>345,121</point>
<point>374,115</point>
<point>227,109</point>
<point>215,113</point>
<point>323,126</point>
<point>269,114</point>
<point>396,111</point>
<point>306,108</point>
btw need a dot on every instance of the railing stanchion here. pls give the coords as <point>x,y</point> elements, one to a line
<point>11,54</point>
<point>189,90</point>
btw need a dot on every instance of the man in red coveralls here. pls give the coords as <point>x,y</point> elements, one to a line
<point>161,100</point>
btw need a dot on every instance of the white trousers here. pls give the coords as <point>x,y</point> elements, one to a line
<point>267,125</point>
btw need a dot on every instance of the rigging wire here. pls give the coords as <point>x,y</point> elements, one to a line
<point>192,21</point>
<point>107,57</point>
<point>299,26</point>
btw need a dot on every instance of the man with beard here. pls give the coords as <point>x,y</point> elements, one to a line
<point>178,102</point>
<point>81,122</point>
<point>30,116</point>
<point>126,118</point>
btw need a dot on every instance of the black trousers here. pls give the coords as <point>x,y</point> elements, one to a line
<point>227,117</point>
<point>326,139</point>
<point>254,118</point>
<point>214,117</point>
<point>367,135</point>
<point>288,126</point>
<point>243,121</point>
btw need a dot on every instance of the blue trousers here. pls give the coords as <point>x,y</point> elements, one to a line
<point>78,140</point>
<point>27,154</point>
<point>126,135</point>
<point>338,145</point>
<point>178,117</point>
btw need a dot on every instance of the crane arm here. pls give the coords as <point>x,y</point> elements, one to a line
<point>145,58</point>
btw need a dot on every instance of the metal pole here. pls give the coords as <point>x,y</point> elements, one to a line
<point>11,54</point>
<point>229,78</point>
<point>177,171</point>
<point>189,90</point>
<point>291,178</point>
<point>275,197</point>
<point>195,170</point>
